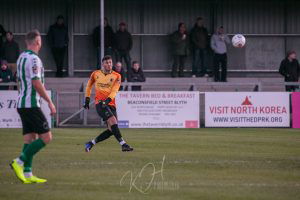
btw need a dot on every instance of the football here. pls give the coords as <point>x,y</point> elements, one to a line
<point>238,41</point>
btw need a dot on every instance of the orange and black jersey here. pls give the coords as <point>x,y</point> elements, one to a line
<point>106,85</point>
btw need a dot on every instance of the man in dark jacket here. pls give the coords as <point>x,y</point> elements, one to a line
<point>58,42</point>
<point>118,68</point>
<point>180,48</point>
<point>5,75</point>
<point>2,35</point>
<point>200,42</point>
<point>136,74</point>
<point>290,69</point>
<point>11,51</point>
<point>109,37</point>
<point>123,46</point>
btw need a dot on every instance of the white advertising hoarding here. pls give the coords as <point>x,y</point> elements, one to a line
<point>158,109</point>
<point>9,117</point>
<point>247,109</point>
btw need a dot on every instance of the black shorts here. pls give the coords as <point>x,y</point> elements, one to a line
<point>106,112</point>
<point>33,120</point>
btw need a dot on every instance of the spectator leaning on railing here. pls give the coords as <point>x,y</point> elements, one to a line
<point>290,69</point>
<point>6,75</point>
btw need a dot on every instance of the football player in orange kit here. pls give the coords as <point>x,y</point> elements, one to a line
<point>107,83</point>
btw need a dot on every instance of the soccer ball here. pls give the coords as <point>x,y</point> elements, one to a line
<point>238,41</point>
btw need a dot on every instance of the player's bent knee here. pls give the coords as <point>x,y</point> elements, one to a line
<point>46,137</point>
<point>29,138</point>
<point>112,120</point>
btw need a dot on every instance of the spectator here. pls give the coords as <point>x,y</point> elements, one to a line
<point>200,42</point>
<point>123,46</point>
<point>290,69</point>
<point>2,35</point>
<point>58,42</point>
<point>118,68</point>
<point>109,37</point>
<point>180,47</point>
<point>218,45</point>
<point>5,75</point>
<point>136,75</point>
<point>11,51</point>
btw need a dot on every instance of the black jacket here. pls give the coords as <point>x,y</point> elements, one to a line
<point>2,35</point>
<point>136,76</point>
<point>123,41</point>
<point>199,37</point>
<point>58,36</point>
<point>290,70</point>
<point>179,46</point>
<point>109,36</point>
<point>11,51</point>
<point>122,73</point>
<point>6,75</point>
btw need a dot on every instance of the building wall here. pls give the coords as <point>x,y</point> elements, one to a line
<point>158,18</point>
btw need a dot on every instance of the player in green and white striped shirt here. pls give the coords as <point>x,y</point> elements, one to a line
<point>36,132</point>
<point>30,68</point>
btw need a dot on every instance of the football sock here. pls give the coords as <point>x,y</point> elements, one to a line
<point>27,174</point>
<point>103,136</point>
<point>19,161</point>
<point>28,163</point>
<point>116,131</point>
<point>32,149</point>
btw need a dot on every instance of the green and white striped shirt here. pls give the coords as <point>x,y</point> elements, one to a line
<point>30,67</point>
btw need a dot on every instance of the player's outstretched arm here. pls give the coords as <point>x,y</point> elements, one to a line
<point>88,92</point>
<point>39,87</point>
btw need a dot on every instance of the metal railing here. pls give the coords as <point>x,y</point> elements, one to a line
<point>10,85</point>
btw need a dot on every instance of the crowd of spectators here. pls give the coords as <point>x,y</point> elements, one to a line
<point>197,42</point>
<point>9,53</point>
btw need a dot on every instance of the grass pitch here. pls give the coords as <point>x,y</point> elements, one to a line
<point>166,164</point>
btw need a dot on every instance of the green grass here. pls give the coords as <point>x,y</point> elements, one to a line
<point>199,164</point>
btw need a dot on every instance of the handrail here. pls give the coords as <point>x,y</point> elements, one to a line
<point>9,84</point>
<point>230,34</point>
<point>187,70</point>
<point>166,34</point>
<point>292,83</point>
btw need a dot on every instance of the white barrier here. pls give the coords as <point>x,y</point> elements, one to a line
<point>247,109</point>
<point>9,117</point>
<point>158,109</point>
<point>181,109</point>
